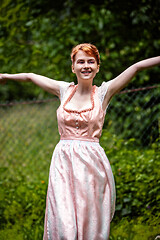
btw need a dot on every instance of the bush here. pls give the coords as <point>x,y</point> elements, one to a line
<point>128,229</point>
<point>136,173</point>
<point>22,210</point>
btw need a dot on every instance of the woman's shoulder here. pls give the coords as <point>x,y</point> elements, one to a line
<point>64,84</point>
<point>105,84</point>
<point>102,90</point>
<point>64,87</point>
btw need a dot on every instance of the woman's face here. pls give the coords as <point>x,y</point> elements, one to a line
<point>85,66</point>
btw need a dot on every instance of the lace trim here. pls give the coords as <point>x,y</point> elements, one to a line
<point>102,90</point>
<point>63,88</point>
<point>71,95</point>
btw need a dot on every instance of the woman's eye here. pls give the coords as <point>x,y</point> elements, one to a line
<point>81,62</point>
<point>91,61</point>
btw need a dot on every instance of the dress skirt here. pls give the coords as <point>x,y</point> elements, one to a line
<point>81,193</point>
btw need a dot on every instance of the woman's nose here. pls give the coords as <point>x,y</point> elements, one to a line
<point>86,64</point>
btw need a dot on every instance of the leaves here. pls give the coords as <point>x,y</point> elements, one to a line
<point>38,37</point>
<point>136,173</point>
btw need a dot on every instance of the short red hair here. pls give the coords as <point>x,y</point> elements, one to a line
<point>88,48</point>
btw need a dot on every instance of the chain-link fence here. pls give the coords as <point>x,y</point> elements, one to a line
<point>135,114</point>
<point>29,130</point>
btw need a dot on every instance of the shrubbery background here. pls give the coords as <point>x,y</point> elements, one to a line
<point>24,176</point>
<point>37,36</point>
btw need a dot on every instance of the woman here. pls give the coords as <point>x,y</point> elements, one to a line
<point>81,191</point>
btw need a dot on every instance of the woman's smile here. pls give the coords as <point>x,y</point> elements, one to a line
<point>86,72</point>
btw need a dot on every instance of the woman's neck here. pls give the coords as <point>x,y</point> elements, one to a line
<point>84,88</point>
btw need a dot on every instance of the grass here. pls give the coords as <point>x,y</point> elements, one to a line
<point>28,136</point>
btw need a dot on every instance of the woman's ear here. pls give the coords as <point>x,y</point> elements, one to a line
<point>98,68</point>
<point>73,69</point>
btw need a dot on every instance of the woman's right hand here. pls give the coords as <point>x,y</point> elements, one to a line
<point>2,79</point>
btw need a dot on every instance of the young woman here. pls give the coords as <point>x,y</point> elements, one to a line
<point>81,191</point>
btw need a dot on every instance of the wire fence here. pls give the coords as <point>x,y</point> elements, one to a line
<point>29,129</point>
<point>135,114</point>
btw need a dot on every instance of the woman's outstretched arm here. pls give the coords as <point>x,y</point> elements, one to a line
<point>125,77</point>
<point>49,85</point>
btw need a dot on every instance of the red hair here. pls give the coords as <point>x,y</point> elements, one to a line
<point>88,48</point>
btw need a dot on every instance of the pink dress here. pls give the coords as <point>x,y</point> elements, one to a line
<point>81,191</point>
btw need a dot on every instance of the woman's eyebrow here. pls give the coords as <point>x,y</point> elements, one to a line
<point>82,59</point>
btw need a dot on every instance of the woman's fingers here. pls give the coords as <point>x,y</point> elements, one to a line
<point>2,80</point>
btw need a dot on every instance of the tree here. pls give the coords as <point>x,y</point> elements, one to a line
<point>38,36</point>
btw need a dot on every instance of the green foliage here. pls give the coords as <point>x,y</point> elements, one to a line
<point>127,229</point>
<point>28,133</point>
<point>38,37</point>
<point>23,180</point>
<point>22,209</point>
<point>136,174</point>
<point>135,115</point>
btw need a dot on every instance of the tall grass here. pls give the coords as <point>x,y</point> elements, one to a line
<point>28,136</point>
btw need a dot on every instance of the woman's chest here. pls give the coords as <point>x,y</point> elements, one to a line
<point>79,103</point>
<point>76,102</point>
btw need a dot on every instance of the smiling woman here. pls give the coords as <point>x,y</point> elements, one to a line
<point>81,191</point>
<point>84,66</point>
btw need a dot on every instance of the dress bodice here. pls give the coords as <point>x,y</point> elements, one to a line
<point>85,124</point>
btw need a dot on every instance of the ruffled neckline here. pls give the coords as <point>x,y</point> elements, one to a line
<point>83,110</point>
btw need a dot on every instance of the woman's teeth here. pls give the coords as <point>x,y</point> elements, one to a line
<point>86,71</point>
